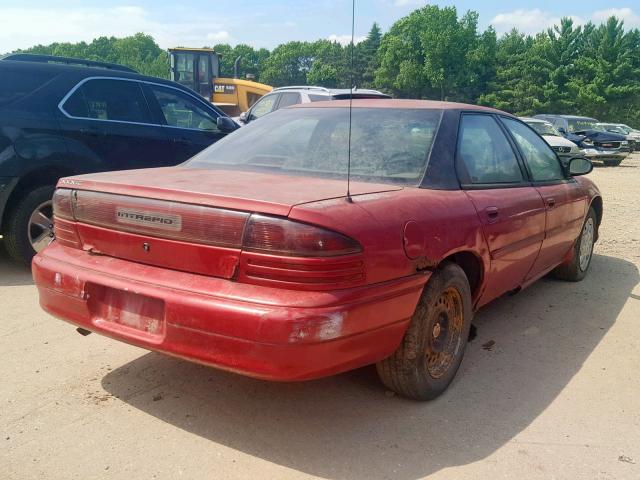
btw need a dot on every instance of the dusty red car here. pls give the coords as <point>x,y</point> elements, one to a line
<point>251,257</point>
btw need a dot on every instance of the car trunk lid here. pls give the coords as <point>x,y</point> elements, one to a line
<point>186,219</point>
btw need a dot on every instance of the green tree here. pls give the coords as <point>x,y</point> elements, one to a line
<point>606,83</point>
<point>366,60</point>
<point>432,54</point>
<point>521,72</point>
<point>288,64</point>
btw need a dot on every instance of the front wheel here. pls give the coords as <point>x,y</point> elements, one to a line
<point>428,358</point>
<point>577,268</point>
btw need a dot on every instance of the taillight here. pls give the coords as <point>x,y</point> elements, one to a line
<point>64,227</point>
<point>280,236</point>
<point>62,204</point>
<point>289,254</point>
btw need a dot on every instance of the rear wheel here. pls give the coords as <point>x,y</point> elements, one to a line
<point>612,163</point>
<point>576,270</point>
<point>29,226</point>
<point>428,358</point>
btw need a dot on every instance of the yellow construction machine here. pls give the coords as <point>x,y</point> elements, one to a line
<point>199,69</point>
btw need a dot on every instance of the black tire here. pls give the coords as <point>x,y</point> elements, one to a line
<point>16,227</point>
<point>414,370</point>
<point>612,163</point>
<point>576,270</point>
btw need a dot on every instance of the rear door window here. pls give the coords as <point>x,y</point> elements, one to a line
<point>484,154</point>
<point>107,99</point>
<point>288,99</point>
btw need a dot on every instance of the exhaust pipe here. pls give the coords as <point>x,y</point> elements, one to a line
<point>236,67</point>
<point>83,331</point>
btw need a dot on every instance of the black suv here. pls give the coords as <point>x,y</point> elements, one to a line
<point>61,117</point>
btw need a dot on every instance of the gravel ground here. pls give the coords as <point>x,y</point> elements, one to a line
<point>556,396</point>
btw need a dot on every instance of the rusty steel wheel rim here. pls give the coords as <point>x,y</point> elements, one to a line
<point>446,320</point>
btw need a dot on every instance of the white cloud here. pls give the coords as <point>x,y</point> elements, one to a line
<point>345,39</point>
<point>631,19</point>
<point>528,21</point>
<point>221,36</point>
<point>23,27</point>
<point>536,20</point>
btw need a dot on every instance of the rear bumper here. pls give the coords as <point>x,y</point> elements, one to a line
<point>257,331</point>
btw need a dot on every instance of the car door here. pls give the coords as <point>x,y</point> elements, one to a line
<point>190,124</point>
<point>564,199</point>
<point>510,209</point>
<point>108,122</point>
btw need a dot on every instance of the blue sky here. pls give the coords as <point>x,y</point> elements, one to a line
<point>264,23</point>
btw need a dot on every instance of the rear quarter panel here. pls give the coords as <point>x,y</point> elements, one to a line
<point>445,223</point>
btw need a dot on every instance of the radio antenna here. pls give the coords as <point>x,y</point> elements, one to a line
<point>353,47</point>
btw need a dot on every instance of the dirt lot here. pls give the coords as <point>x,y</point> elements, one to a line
<point>558,395</point>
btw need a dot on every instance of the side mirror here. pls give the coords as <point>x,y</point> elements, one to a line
<point>579,166</point>
<point>562,130</point>
<point>226,125</point>
<point>244,117</point>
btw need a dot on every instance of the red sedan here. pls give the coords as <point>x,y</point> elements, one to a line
<point>273,255</point>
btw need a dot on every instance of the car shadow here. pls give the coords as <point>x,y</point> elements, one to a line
<point>347,426</point>
<point>11,273</point>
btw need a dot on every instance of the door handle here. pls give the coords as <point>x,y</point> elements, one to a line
<point>180,141</point>
<point>551,202</point>
<point>492,214</point>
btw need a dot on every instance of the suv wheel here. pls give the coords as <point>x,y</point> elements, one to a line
<point>29,226</point>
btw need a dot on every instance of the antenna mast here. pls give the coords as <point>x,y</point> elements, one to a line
<point>353,47</point>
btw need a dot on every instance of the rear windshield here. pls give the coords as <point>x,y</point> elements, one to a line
<point>15,85</point>
<point>387,145</point>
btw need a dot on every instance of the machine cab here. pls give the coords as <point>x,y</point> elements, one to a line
<point>195,68</point>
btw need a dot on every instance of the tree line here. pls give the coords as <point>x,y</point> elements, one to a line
<point>434,53</point>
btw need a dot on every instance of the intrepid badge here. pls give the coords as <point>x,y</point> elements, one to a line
<point>149,219</point>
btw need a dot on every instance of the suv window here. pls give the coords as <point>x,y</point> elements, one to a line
<point>288,99</point>
<point>15,84</point>
<point>263,106</point>
<point>319,98</point>
<point>540,158</point>
<point>101,99</point>
<point>485,152</point>
<point>182,111</point>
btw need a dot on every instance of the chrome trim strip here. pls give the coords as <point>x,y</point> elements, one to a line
<point>85,80</point>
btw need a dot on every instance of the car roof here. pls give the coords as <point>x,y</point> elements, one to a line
<point>568,117</point>
<point>400,104</point>
<point>534,120</point>
<point>83,71</point>
<point>316,90</point>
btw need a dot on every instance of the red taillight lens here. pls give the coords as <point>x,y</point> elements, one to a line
<point>285,237</point>
<point>62,204</point>
<point>64,226</point>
